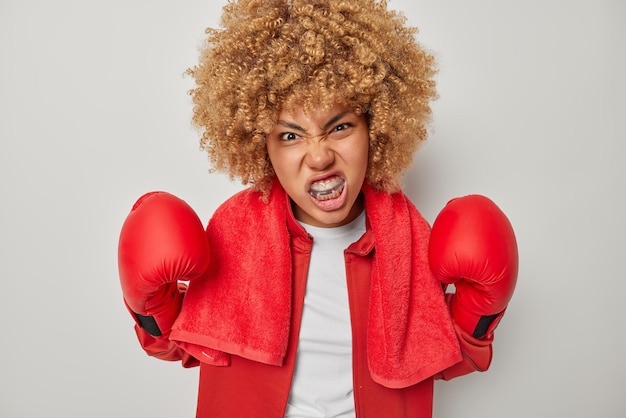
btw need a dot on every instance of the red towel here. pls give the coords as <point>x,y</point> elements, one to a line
<point>242,305</point>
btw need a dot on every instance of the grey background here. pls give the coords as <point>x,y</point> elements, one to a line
<point>94,112</point>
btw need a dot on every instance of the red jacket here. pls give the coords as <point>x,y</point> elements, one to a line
<point>247,388</point>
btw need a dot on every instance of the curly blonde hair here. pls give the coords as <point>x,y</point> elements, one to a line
<point>270,55</point>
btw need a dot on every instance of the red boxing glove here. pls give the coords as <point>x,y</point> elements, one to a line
<point>473,246</point>
<point>162,241</point>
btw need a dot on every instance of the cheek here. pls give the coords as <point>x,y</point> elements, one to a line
<point>282,161</point>
<point>360,155</point>
<point>273,156</point>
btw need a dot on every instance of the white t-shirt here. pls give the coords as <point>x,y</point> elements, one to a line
<point>322,384</point>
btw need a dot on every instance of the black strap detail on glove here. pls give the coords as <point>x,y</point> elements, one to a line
<point>148,324</point>
<point>483,325</point>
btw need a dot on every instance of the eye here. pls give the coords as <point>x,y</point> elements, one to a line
<point>341,131</point>
<point>342,127</point>
<point>288,136</point>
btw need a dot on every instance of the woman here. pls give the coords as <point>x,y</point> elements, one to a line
<point>319,290</point>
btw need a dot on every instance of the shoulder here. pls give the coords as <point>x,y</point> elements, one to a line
<point>248,207</point>
<point>239,202</point>
<point>248,224</point>
<point>391,207</point>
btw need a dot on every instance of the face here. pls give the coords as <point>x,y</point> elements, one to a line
<point>320,159</point>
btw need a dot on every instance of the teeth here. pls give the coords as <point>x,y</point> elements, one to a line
<point>327,189</point>
<point>325,185</point>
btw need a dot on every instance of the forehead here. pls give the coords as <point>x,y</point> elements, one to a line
<point>315,114</point>
<point>309,96</point>
<point>316,103</point>
<point>317,120</point>
<point>307,101</point>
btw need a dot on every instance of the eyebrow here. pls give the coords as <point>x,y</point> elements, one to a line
<point>299,128</point>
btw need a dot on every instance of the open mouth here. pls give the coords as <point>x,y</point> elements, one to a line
<point>327,189</point>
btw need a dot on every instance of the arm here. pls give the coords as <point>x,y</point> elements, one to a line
<point>162,243</point>
<point>476,352</point>
<point>161,347</point>
<point>473,246</point>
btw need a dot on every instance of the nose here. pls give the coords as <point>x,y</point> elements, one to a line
<point>319,155</point>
